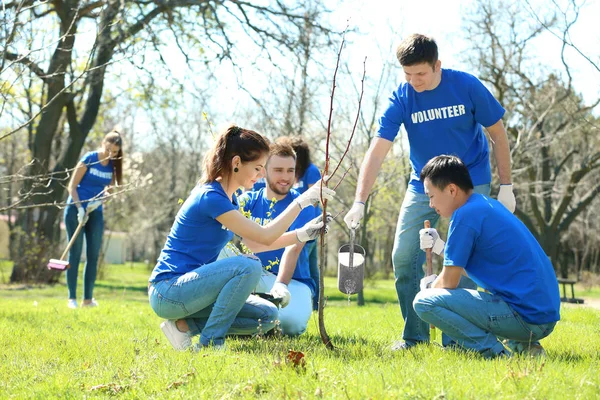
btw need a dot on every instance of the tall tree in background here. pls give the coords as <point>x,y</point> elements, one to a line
<point>70,79</point>
<point>552,129</point>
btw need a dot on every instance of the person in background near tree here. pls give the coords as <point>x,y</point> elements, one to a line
<point>444,112</point>
<point>288,276</point>
<point>195,292</point>
<point>95,173</point>
<point>307,174</point>
<point>498,252</point>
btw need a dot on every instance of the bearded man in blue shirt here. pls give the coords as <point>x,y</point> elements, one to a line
<point>288,276</point>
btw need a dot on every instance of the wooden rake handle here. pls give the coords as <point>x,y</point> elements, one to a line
<point>429,263</point>
<point>428,258</point>
<point>88,211</point>
<point>72,241</point>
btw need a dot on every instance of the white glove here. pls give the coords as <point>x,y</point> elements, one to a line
<point>352,219</point>
<point>313,195</point>
<point>507,197</point>
<point>427,281</point>
<point>280,291</point>
<point>430,239</point>
<point>312,229</point>
<point>92,205</point>
<point>80,214</point>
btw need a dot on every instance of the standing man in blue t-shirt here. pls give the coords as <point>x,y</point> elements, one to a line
<point>499,253</point>
<point>288,276</point>
<point>444,112</point>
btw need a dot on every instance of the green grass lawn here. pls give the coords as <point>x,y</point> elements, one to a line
<point>118,350</point>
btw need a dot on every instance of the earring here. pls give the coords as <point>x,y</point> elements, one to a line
<point>235,169</point>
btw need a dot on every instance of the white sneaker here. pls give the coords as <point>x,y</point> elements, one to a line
<point>72,303</point>
<point>93,303</point>
<point>179,340</point>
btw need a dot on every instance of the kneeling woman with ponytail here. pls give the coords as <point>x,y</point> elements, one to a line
<point>195,293</point>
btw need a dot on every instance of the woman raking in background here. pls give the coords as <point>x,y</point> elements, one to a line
<point>95,173</point>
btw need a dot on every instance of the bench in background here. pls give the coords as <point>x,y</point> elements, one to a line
<point>564,298</point>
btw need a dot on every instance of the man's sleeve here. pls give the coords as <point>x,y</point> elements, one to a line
<point>488,110</point>
<point>391,120</point>
<point>461,240</point>
<point>306,215</point>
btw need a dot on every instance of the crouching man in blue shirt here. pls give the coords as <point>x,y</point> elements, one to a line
<point>498,252</point>
<point>288,273</point>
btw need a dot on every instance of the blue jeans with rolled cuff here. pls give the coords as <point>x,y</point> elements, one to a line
<point>476,320</point>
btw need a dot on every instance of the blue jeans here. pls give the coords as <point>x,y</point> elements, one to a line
<point>294,317</point>
<point>92,230</point>
<point>408,259</point>
<point>313,264</point>
<point>475,320</point>
<point>214,299</point>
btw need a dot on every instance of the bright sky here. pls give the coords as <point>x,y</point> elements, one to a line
<point>383,23</point>
<point>443,19</point>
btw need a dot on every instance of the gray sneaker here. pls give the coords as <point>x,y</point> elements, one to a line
<point>527,349</point>
<point>536,350</point>
<point>179,340</point>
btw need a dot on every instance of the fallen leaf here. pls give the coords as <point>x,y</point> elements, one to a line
<point>296,358</point>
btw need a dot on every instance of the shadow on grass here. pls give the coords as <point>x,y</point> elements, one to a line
<point>345,347</point>
<point>339,297</point>
<point>112,286</point>
<point>23,286</point>
<point>565,356</point>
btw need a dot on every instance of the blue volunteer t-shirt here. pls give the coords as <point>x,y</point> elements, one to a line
<point>196,237</point>
<point>311,176</point>
<point>262,210</point>
<point>502,256</point>
<point>96,178</point>
<point>445,120</point>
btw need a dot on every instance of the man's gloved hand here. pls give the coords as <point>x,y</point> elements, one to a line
<point>427,281</point>
<point>80,214</point>
<point>280,291</point>
<point>430,239</point>
<point>312,229</point>
<point>507,197</point>
<point>313,195</point>
<point>352,219</point>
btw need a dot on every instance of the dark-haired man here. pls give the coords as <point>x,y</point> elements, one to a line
<point>499,253</point>
<point>444,112</point>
